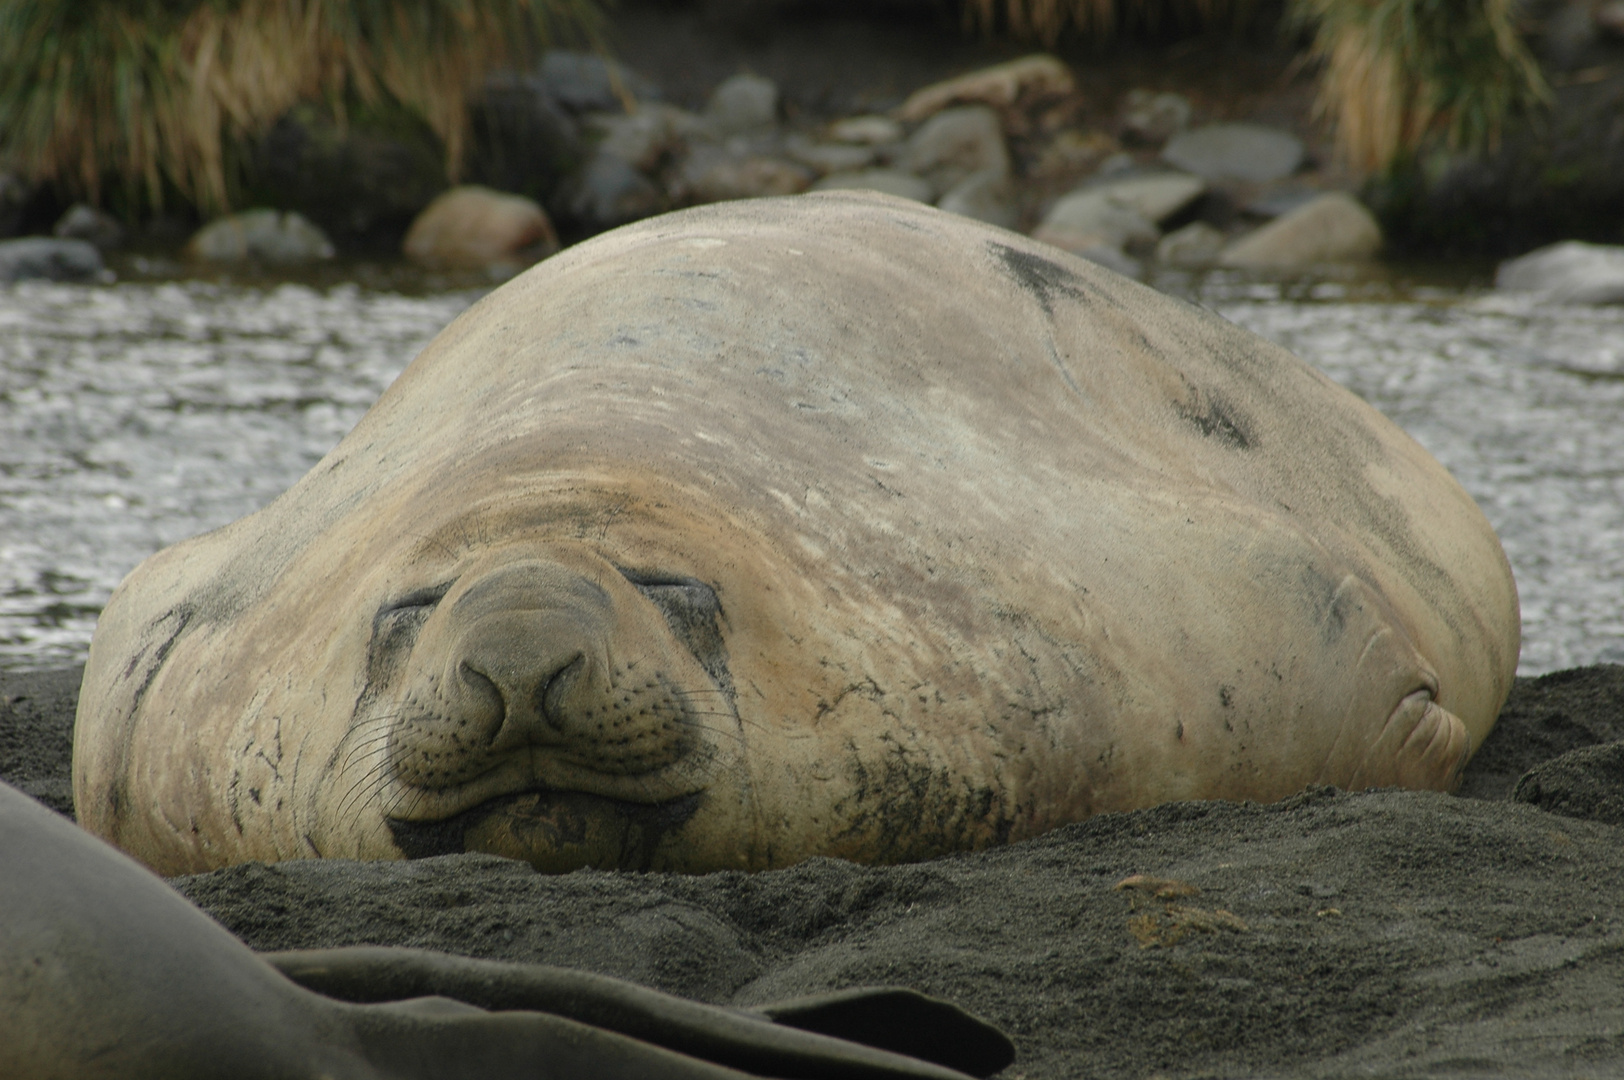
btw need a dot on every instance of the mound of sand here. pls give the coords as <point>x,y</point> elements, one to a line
<point>1382,933</point>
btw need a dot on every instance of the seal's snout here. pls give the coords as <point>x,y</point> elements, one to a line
<point>561,675</point>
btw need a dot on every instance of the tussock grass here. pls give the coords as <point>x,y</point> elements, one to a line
<point>1398,73</point>
<point>156,91</point>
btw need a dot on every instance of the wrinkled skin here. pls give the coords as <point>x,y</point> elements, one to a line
<point>827,525</point>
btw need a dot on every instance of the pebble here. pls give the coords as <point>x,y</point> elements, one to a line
<point>749,178</point>
<point>955,143</point>
<point>1196,244</point>
<point>268,235</point>
<point>987,196</point>
<point>85,222</point>
<point>643,138</point>
<point>866,130</point>
<point>824,158</point>
<point>51,259</point>
<point>1571,272</point>
<point>1001,86</point>
<point>1334,227</point>
<point>1150,119</point>
<point>1235,152</point>
<point>743,103</point>
<point>887,181</point>
<point>475,227</point>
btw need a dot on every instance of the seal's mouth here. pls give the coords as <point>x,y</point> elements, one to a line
<point>555,831</point>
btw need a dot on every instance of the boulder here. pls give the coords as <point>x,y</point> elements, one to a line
<point>986,196</point>
<point>1091,218</point>
<point>609,192</point>
<point>1248,152</point>
<point>49,259</point>
<point>1195,245</point>
<point>955,143</point>
<point>275,236</point>
<point>866,130</point>
<point>521,139</point>
<point>1154,196</point>
<point>1113,258</point>
<point>886,181</point>
<point>361,182</point>
<point>85,222</point>
<point>1335,227</point>
<point>587,82</point>
<point>1003,86</point>
<point>743,103</point>
<point>473,227</point>
<point>1150,119</point>
<point>1571,272</point>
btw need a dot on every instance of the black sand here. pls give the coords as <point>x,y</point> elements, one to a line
<point>1375,934</point>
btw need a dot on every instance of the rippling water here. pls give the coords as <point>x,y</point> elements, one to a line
<point>135,415</point>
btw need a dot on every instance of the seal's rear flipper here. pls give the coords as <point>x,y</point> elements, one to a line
<point>1423,745</point>
<point>904,1022</point>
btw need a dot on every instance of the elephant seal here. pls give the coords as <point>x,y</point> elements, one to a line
<point>105,971</point>
<point>828,525</point>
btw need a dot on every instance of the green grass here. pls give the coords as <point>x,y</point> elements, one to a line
<point>156,93</point>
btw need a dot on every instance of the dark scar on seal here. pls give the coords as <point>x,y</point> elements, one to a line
<point>1217,419</point>
<point>1039,276</point>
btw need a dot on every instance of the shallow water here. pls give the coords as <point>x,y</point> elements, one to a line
<point>137,414</point>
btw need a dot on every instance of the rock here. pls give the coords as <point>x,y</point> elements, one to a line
<point>1335,227</point>
<point>1153,196</point>
<point>646,137</point>
<point>986,196</point>
<point>15,195</point>
<point>1235,152</point>
<point>1610,17</point>
<point>521,140</point>
<point>866,130</point>
<point>85,222</point>
<point>1091,218</point>
<point>473,227</point>
<point>1571,272</point>
<point>825,158</point>
<point>609,192</point>
<point>1277,201</point>
<point>275,236</point>
<point>587,82</point>
<point>887,181</point>
<point>749,178</point>
<point>1197,244</point>
<point>39,257</point>
<point>743,103</point>
<point>361,182</point>
<point>1003,86</point>
<point>1585,783</point>
<point>955,143</point>
<point>1150,119</point>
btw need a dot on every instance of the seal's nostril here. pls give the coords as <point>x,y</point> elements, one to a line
<point>552,691</point>
<point>486,705</point>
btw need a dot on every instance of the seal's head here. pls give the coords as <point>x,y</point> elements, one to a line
<point>829,525</point>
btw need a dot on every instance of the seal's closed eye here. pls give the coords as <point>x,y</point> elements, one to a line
<point>694,614</point>
<point>395,628</point>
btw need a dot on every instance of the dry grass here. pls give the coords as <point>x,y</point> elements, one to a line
<point>1397,73</point>
<point>157,91</point>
